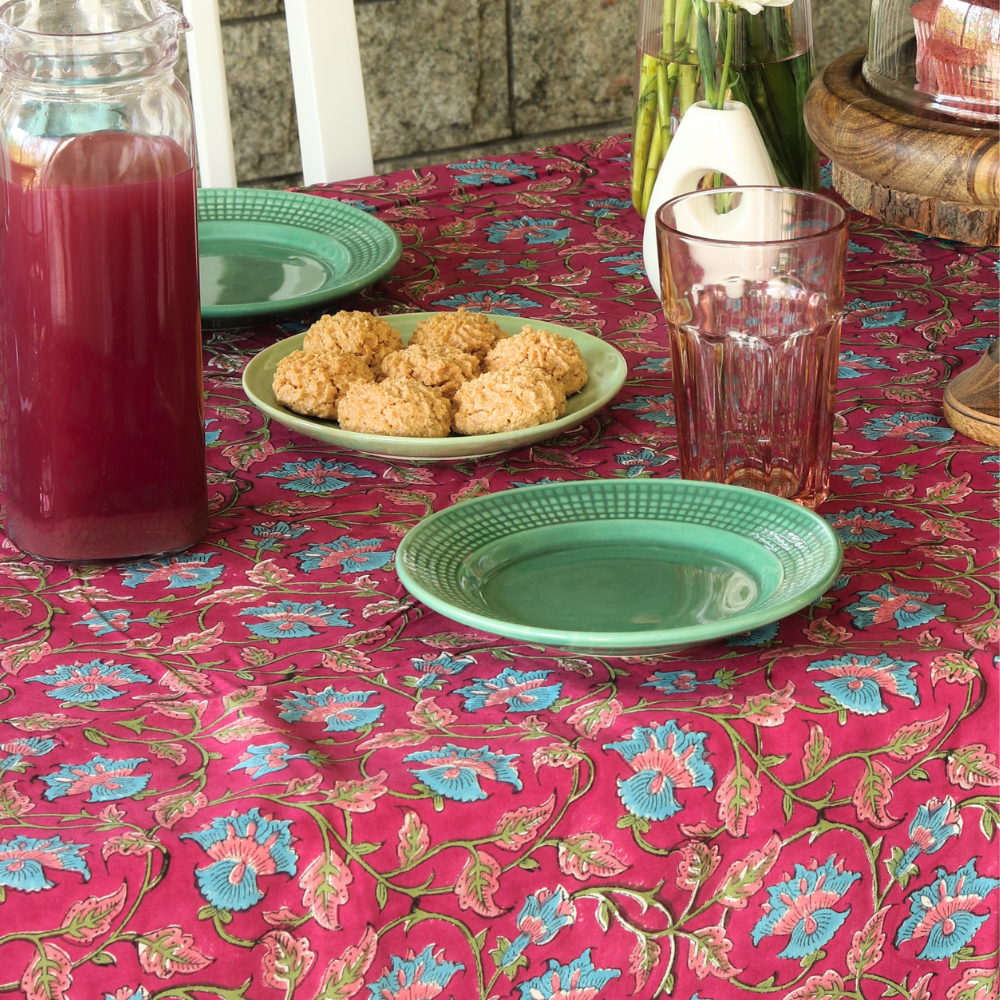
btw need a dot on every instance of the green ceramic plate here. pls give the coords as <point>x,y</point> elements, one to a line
<point>606,369</point>
<point>263,253</point>
<point>620,566</point>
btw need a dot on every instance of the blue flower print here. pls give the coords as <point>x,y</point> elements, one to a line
<point>676,682</point>
<point>630,264</point>
<point>243,847</point>
<point>606,208</point>
<point>639,461</point>
<point>979,344</point>
<point>990,305</point>
<point>19,749</point>
<point>501,303</point>
<point>480,172</point>
<point>104,621</point>
<point>802,908</point>
<point>567,982</point>
<point>532,231</point>
<point>664,758</point>
<point>517,691</point>
<point>188,570</point>
<point>453,772</point>
<point>127,993</point>
<point>484,266</point>
<point>908,426</point>
<point>857,682</point>
<point>874,315</point>
<point>858,525</point>
<point>348,555</point>
<point>362,206</point>
<point>540,920</point>
<point>317,476</point>
<point>106,780</point>
<point>825,180</point>
<point>851,245</point>
<point>858,475</point>
<point>266,759</point>
<point>755,637</point>
<point>856,365</point>
<point>658,366</point>
<point>658,409</point>
<point>423,975</point>
<point>211,436</point>
<point>544,481</point>
<point>908,608</point>
<point>292,620</point>
<point>933,826</point>
<point>23,861</point>
<point>86,682</point>
<point>274,533</point>
<point>340,711</point>
<point>941,912</point>
<point>431,668</point>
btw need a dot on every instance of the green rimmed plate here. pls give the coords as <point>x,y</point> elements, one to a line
<point>620,566</point>
<point>606,370</point>
<point>265,253</point>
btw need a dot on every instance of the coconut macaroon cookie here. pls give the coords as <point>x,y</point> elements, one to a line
<point>508,399</point>
<point>553,353</point>
<point>398,407</point>
<point>444,368</point>
<point>471,332</point>
<point>313,383</point>
<point>369,337</point>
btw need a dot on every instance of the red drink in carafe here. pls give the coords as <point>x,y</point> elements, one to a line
<point>103,445</point>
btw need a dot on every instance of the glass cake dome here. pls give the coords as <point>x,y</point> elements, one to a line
<point>940,56</point>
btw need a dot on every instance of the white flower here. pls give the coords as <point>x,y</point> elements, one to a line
<point>752,6</point>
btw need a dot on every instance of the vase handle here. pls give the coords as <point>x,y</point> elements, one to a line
<point>707,141</point>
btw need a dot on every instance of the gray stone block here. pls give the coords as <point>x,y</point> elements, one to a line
<point>435,73</point>
<point>572,62</point>
<point>838,27</point>
<point>230,10</point>
<point>261,99</point>
<point>500,149</point>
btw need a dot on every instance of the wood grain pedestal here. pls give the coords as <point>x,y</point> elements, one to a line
<point>929,175</point>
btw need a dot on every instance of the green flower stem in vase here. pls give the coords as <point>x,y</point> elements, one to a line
<point>772,67</point>
<point>667,70</point>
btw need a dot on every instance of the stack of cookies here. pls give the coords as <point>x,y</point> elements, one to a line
<point>460,372</point>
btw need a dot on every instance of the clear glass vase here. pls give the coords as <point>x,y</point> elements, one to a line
<point>665,85</point>
<point>770,69</point>
<point>773,65</point>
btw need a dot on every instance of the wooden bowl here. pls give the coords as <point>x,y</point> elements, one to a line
<point>972,399</point>
<point>928,174</point>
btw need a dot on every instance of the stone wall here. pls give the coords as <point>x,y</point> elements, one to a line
<point>453,79</point>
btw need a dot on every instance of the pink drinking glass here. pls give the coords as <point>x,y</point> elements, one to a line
<point>753,292</point>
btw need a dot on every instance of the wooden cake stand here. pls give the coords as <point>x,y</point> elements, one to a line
<point>928,174</point>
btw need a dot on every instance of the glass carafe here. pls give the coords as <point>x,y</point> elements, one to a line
<point>102,444</point>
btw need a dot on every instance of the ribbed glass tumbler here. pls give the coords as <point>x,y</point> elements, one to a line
<point>753,293</point>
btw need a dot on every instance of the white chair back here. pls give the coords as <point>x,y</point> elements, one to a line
<point>326,76</point>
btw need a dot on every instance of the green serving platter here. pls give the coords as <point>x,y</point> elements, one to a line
<point>266,253</point>
<point>620,566</point>
<point>606,370</point>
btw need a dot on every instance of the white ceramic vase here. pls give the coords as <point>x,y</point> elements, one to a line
<point>710,140</point>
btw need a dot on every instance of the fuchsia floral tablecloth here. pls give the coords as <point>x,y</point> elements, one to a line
<point>259,769</point>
